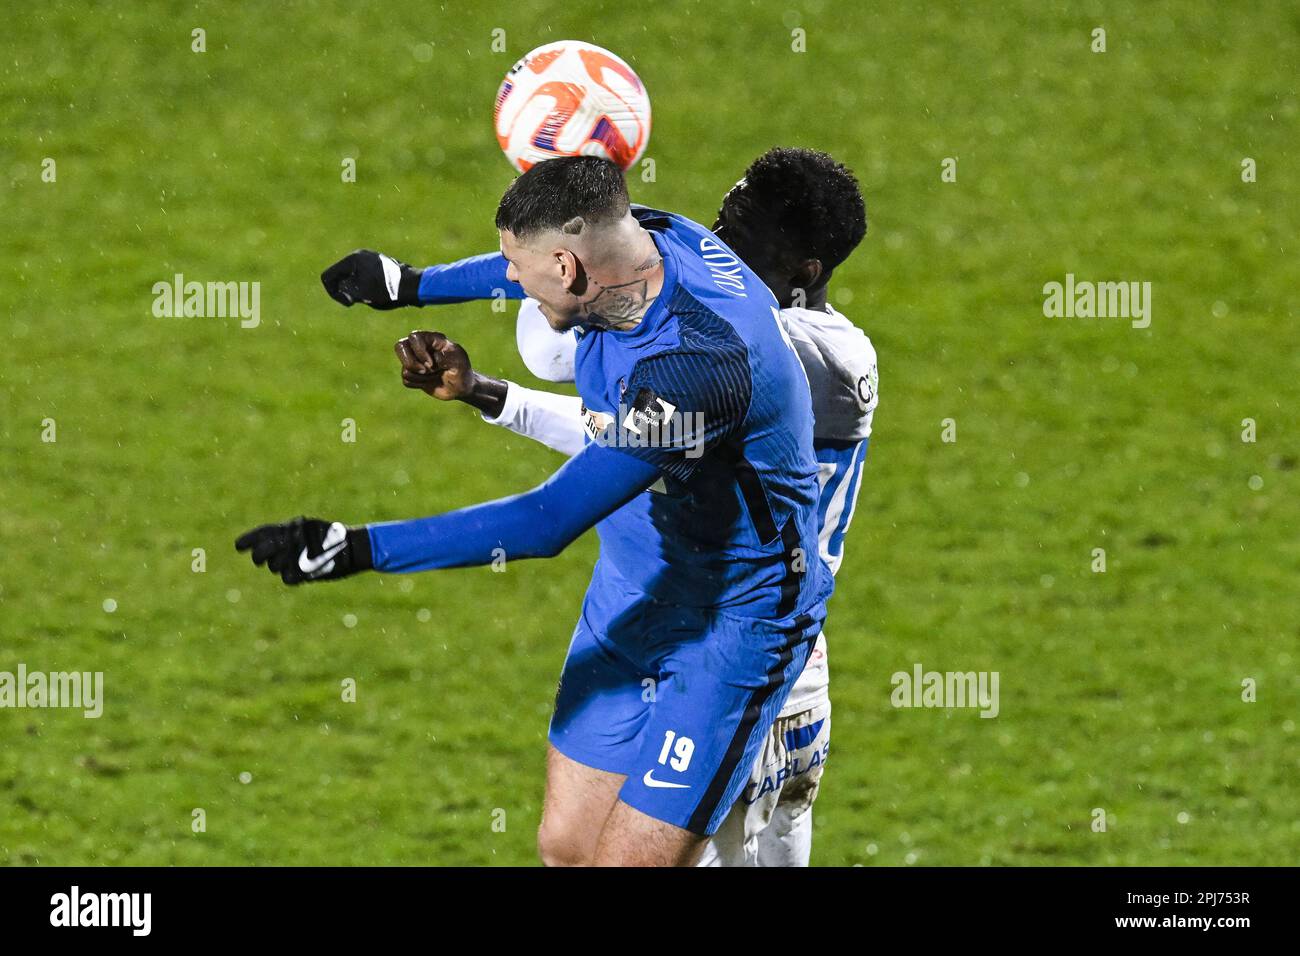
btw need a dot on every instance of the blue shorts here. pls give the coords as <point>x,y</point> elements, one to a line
<point>679,699</point>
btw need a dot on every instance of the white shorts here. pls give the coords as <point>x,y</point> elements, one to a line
<point>771,823</point>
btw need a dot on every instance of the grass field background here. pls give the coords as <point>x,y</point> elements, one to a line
<point>1119,691</point>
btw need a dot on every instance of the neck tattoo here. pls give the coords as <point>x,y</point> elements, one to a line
<point>623,306</point>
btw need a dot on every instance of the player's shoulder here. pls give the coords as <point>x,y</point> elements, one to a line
<point>670,224</point>
<point>831,334</point>
<point>699,360</point>
<point>703,264</point>
<point>840,363</point>
<point>826,323</point>
<point>705,353</point>
<point>660,219</point>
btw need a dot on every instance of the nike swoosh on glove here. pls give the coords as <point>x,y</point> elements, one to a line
<point>308,549</point>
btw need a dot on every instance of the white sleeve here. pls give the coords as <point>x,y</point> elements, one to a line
<point>554,420</point>
<point>548,354</point>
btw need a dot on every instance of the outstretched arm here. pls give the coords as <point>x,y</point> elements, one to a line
<point>382,282</point>
<point>539,523</point>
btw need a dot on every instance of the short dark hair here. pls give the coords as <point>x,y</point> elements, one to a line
<point>804,197</point>
<point>555,191</point>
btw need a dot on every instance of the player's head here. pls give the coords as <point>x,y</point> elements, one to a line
<point>559,222</point>
<point>794,217</point>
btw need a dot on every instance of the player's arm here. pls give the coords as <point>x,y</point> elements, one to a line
<point>554,420</point>
<point>434,364</point>
<point>382,282</point>
<point>537,524</point>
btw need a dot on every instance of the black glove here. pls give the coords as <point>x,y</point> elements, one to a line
<point>379,281</point>
<point>308,549</point>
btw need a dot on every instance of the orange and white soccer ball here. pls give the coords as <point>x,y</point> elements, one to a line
<point>571,98</point>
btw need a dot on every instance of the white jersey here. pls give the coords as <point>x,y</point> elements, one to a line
<point>840,363</point>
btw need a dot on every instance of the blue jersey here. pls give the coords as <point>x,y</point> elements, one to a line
<point>710,376</point>
<point>700,476</point>
<point>705,403</point>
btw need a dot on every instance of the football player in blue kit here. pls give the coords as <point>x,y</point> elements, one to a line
<point>700,476</point>
<point>794,217</point>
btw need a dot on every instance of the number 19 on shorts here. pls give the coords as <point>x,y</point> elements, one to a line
<point>680,749</point>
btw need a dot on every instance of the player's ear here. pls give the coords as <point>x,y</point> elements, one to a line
<point>572,275</point>
<point>807,274</point>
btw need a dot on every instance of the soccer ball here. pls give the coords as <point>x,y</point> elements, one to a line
<point>571,98</point>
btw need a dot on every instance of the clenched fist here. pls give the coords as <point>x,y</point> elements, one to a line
<point>435,364</point>
<point>379,281</point>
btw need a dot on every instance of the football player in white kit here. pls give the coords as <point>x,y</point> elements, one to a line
<point>794,217</point>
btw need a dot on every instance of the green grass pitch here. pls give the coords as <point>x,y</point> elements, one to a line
<point>1120,691</point>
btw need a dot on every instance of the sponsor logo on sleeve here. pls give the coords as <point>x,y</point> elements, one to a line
<point>648,411</point>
